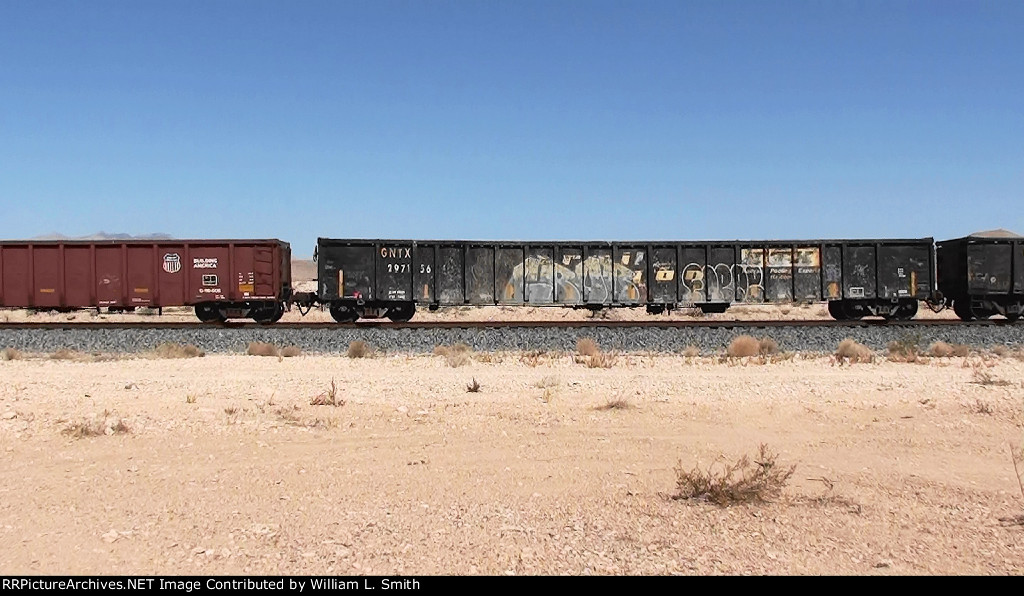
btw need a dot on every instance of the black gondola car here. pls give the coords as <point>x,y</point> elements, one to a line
<point>982,276</point>
<point>378,278</point>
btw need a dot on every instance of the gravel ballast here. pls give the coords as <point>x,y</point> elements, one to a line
<point>336,340</point>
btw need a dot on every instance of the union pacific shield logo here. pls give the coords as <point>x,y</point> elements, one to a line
<point>172,263</point>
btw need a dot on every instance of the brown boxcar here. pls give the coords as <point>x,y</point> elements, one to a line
<point>220,278</point>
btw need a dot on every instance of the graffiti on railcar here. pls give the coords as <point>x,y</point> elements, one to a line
<point>722,282</point>
<point>576,280</point>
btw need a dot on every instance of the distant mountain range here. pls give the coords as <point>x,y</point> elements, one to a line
<point>105,236</point>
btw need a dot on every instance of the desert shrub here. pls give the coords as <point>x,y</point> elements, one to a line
<point>767,346</point>
<point>601,360</point>
<point>614,404</point>
<point>473,387</point>
<point>259,348</point>
<point>941,349</point>
<point>96,427</point>
<point>359,349</point>
<point>459,348</point>
<point>853,351</point>
<point>329,397</point>
<point>691,352</point>
<point>10,354</point>
<point>1000,350</point>
<point>745,481</point>
<point>587,347</point>
<point>743,346</point>
<point>983,377</point>
<point>190,398</point>
<point>64,354</point>
<point>457,355</point>
<point>548,381</point>
<point>291,351</point>
<point>532,358</point>
<point>905,349</point>
<point>176,350</point>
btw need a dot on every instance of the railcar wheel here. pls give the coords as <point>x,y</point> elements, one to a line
<point>836,310</point>
<point>344,313</point>
<point>209,313</point>
<point>962,308</point>
<point>401,313</point>
<point>268,314</point>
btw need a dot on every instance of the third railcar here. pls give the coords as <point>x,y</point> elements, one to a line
<point>391,278</point>
<point>982,276</point>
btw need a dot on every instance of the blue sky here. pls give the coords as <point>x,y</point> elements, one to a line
<point>528,120</point>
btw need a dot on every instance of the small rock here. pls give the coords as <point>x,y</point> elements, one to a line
<point>884,563</point>
<point>9,416</point>
<point>111,536</point>
<point>402,409</point>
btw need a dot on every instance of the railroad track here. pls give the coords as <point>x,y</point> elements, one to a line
<point>505,324</point>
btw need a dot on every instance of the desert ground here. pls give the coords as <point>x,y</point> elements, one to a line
<point>222,464</point>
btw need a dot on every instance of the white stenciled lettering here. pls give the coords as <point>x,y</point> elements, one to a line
<point>204,263</point>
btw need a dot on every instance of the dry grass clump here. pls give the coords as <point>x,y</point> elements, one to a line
<point>473,387</point>
<point>1000,350</point>
<point>743,346</point>
<point>590,355</point>
<point>260,348</point>
<point>745,481</point>
<point>359,349</point>
<point>905,349</point>
<point>548,381</point>
<point>456,356</point>
<point>981,407</point>
<point>852,351</point>
<point>691,352</point>
<point>533,357</point>
<point>614,404</point>
<point>65,354</point>
<point>768,346</point>
<point>176,350</point>
<point>329,397</point>
<point>941,349</point>
<point>96,427</point>
<point>602,360</point>
<point>11,354</point>
<point>291,351</point>
<point>293,417</point>
<point>587,347</point>
<point>983,377</point>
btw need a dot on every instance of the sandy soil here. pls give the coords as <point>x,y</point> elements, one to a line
<point>226,467</point>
